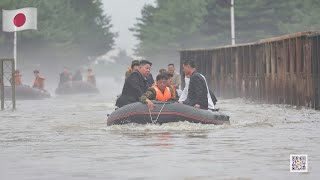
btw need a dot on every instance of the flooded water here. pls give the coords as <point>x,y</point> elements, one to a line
<point>66,137</point>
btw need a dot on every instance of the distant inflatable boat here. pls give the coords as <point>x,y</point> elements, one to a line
<point>24,92</point>
<point>76,87</point>
<point>165,113</point>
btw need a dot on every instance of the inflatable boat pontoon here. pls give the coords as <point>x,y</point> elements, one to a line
<point>76,87</point>
<point>165,113</point>
<point>24,92</point>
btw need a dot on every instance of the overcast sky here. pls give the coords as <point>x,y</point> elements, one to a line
<point>124,14</point>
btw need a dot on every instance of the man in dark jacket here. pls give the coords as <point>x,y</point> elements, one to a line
<point>65,76</point>
<point>198,91</point>
<point>77,76</point>
<point>150,80</point>
<point>134,66</point>
<point>135,85</point>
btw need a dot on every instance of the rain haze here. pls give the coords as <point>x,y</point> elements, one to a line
<point>124,14</point>
<point>78,107</point>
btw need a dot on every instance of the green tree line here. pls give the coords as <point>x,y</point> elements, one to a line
<point>170,25</point>
<point>69,31</point>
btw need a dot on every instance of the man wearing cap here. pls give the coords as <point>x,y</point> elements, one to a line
<point>135,85</point>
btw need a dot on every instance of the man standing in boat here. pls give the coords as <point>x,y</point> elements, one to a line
<point>161,91</point>
<point>135,85</point>
<point>198,91</point>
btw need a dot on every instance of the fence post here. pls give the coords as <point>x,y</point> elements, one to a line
<point>4,70</point>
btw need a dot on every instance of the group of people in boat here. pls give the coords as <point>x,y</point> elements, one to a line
<point>140,86</point>
<point>65,76</point>
<point>38,83</point>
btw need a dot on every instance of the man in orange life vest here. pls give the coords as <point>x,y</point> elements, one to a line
<point>159,92</point>
<point>39,81</point>
<point>17,76</point>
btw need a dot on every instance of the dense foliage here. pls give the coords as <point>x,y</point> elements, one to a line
<point>175,24</point>
<point>69,31</point>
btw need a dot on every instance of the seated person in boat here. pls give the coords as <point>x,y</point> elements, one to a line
<point>17,78</point>
<point>170,76</point>
<point>91,78</point>
<point>162,71</point>
<point>39,80</point>
<point>198,91</point>
<point>150,80</point>
<point>135,85</point>
<point>134,66</point>
<point>159,92</point>
<point>176,78</point>
<point>65,76</point>
<point>77,76</point>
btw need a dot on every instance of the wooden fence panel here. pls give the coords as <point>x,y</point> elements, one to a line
<point>277,70</point>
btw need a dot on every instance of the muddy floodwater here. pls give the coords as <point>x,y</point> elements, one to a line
<point>66,137</point>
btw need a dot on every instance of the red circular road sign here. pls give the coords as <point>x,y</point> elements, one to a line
<point>19,20</point>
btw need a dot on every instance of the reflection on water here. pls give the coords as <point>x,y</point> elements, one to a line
<point>66,137</point>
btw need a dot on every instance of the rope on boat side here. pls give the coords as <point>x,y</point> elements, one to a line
<point>155,121</point>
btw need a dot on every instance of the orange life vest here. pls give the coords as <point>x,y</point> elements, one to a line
<point>39,83</point>
<point>162,96</point>
<point>18,79</point>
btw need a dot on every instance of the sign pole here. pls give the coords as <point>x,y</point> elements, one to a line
<point>233,39</point>
<point>15,48</point>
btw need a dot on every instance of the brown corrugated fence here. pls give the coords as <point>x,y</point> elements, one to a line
<point>277,70</point>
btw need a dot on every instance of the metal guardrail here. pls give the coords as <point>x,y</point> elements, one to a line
<point>283,69</point>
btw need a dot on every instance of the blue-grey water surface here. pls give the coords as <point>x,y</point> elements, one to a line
<point>66,137</point>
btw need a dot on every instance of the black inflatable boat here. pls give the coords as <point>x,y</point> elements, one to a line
<point>24,92</point>
<point>76,87</point>
<point>165,113</point>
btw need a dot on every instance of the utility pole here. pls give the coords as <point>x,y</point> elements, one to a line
<point>233,39</point>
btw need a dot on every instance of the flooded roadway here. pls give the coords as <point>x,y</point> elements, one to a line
<point>66,137</point>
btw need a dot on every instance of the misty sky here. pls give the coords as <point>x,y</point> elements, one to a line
<point>124,14</point>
